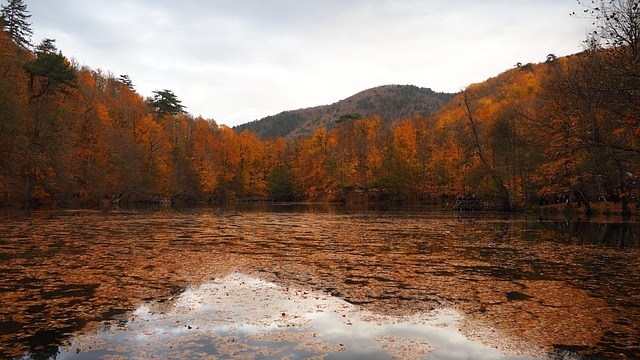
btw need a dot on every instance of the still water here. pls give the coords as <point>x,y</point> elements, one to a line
<point>316,281</point>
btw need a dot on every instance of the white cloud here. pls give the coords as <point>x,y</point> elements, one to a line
<point>240,60</point>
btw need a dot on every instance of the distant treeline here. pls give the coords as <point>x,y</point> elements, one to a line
<point>73,136</point>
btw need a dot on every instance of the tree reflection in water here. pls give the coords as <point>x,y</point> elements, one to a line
<point>537,285</point>
<point>611,234</point>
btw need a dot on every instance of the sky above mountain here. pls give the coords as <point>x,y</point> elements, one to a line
<point>236,61</point>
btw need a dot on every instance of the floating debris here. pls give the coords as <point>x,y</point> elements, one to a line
<point>240,316</point>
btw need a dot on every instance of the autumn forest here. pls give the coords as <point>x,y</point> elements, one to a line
<point>567,128</point>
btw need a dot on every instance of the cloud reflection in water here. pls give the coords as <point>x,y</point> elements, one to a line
<point>244,317</point>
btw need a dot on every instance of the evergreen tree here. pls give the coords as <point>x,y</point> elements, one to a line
<point>166,102</point>
<point>126,80</point>
<point>51,68</point>
<point>14,18</point>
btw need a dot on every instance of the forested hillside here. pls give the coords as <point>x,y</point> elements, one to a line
<point>70,136</point>
<point>391,102</point>
<point>563,130</point>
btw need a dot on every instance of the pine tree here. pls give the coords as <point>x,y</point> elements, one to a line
<point>126,80</point>
<point>14,18</point>
<point>166,102</point>
<point>51,68</point>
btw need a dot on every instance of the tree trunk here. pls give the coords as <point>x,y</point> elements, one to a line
<point>507,204</point>
<point>587,205</point>
<point>626,210</point>
<point>28,191</point>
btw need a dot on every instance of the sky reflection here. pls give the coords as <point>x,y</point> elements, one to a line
<point>239,316</point>
<point>544,289</point>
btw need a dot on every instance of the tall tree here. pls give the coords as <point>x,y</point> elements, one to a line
<point>394,180</point>
<point>12,86</point>
<point>166,102</point>
<point>604,88</point>
<point>49,71</point>
<point>504,192</point>
<point>14,17</point>
<point>46,140</point>
<point>617,69</point>
<point>617,25</point>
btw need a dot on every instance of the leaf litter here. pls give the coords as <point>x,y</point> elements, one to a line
<point>243,317</point>
<point>517,287</point>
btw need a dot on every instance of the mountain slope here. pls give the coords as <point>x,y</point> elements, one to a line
<point>391,102</point>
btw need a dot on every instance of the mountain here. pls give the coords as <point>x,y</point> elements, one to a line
<point>391,102</point>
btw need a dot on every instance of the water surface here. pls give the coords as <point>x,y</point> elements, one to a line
<point>239,316</point>
<point>564,287</point>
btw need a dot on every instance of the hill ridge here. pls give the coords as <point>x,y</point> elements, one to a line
<point>392,102</point>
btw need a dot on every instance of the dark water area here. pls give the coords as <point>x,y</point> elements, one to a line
<point>570,289</point>
<point>613,234</point>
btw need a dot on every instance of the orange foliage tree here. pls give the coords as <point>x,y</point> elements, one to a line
<point>569,126</point>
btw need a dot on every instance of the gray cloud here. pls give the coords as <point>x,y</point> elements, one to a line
<point>240,60</point>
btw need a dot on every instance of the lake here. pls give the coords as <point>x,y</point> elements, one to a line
<point>285,281</point>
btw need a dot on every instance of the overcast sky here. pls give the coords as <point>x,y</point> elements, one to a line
<point>236,61</point>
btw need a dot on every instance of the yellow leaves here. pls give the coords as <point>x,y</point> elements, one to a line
<point>85,78</point>
<point>397,265</point>
<point>405,141</point>
<point>204,143</point>
<point>253,153</point>
<point>147,131</point>
<point>208,176</point>
<point>103,114</point>
<point>221,156</point>
<point>485,102</point>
